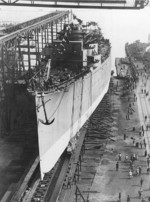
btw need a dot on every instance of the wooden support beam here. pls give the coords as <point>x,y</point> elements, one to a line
<point>47,34</point>
<point>42,38</point>
<point>28,53</point>
<point>52,32</point>
<point>38,48</point>
<point>4,1</point>
<point>56,28</point>
<point>15,1</point>
<point>26,46</point>
<point>2,62</point>
<point>31,53</point>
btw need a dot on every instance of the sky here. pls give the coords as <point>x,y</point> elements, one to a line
<point>119,26</point>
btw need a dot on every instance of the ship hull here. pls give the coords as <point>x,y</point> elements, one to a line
<point>70,109</point>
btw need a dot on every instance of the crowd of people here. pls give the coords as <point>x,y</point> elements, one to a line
<point>138,141</point>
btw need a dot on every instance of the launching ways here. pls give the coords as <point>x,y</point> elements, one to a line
<point>96,4</point>
<point>16,57</point>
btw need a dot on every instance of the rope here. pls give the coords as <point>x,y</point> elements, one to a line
<point>80,112</point>
<point>72,115</point>
<point>58,105</point>
<point>91,89</point>
<point>64,90</point>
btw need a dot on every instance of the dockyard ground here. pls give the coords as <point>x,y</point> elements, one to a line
<point>109,185</point>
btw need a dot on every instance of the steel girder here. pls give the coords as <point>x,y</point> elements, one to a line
<point>97,4</point>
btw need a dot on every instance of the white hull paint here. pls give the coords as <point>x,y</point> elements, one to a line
<point>57,149</point>
<point>71,110</point>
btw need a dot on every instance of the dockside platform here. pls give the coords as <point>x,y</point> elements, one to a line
<point>100,180</point>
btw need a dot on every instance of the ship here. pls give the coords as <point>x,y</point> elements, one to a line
<point>75,78</point>
<point>139,52</point>
<point>122,67</point>
<point>138,55</point>
<point>137,58</point>
<point>55,99</point>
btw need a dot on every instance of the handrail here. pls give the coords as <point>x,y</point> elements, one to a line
<point>66,81</point>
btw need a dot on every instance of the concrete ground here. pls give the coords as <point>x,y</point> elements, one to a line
<point>108,182</point>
